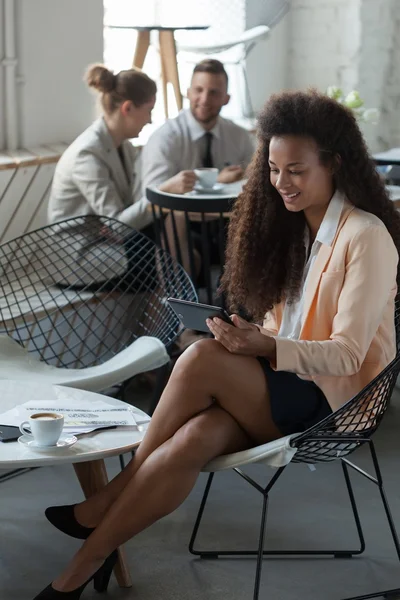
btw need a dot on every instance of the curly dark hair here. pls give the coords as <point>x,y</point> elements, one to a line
<point>265,252</point>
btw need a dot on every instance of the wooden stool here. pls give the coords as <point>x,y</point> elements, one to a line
<point>169,65</point>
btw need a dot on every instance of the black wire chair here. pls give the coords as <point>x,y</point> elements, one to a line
<point>194,230</point>
<point>77,293</point>
<point>334,438</point>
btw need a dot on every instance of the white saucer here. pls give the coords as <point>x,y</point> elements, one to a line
<point>65,441</point>
<point>215,189</point>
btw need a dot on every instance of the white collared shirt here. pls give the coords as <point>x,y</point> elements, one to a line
<point>180,145</point>
<point>292,318</point>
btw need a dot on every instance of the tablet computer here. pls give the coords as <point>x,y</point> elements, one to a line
<point>193,315</point>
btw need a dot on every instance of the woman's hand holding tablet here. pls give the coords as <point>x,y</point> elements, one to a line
<point>193,315</point>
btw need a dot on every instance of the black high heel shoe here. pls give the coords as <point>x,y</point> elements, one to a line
<point>63,518</point>
<point>100,582</point>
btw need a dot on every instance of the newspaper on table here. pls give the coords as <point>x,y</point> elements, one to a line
<point>79,417</point>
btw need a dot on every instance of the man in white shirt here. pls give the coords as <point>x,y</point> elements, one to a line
<point>198,137</point>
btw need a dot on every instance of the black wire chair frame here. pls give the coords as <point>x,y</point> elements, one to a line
<point>61,310</point>
<point>212,223</point>
<point>334,438</point>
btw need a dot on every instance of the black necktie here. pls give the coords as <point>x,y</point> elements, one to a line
<point>207,159</point>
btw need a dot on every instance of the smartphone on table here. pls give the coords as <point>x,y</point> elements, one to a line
<point>9,433</point>
<point>193,315</point>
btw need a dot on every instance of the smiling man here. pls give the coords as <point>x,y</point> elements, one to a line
<point>198,137</point>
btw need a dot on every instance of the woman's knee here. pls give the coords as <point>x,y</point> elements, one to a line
<point>198,357</point>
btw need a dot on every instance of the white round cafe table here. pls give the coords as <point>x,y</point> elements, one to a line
<point>90,446</point>
<point>87,454</point>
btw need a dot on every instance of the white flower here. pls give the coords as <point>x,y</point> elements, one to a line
<point>355,103</point>
<point>334,92</point>
<point>353,100</point>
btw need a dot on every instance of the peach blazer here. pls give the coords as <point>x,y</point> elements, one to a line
<point>347,335</point>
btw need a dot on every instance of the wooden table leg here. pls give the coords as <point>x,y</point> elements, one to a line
<point>92,476</point>
<point>142,45</point>
<point>169,65</point>
<point>164,81</point>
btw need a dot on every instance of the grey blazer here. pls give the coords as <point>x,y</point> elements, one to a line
<point>90,180</point>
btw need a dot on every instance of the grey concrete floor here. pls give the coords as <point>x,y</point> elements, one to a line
<point>308,509</point>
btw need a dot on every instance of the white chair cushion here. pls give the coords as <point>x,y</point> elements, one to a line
<point>275,454</point>
<point>144,354</point>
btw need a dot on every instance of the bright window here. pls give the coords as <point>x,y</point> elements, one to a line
<point>225,17</point>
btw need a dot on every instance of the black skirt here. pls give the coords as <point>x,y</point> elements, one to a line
<point>296,404</point>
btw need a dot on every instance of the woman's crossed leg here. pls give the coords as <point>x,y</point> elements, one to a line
<point>214,403</point>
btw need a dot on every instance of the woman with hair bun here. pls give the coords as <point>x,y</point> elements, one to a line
<point>99,172</point>
<point>312,254</point>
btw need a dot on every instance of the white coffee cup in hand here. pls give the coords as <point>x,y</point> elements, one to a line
<point>45,428</point>
<point>207,177</point>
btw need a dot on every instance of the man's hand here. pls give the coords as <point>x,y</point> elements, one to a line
<point>231,174</point>
<point>181,183</point>
<point>242,338</point>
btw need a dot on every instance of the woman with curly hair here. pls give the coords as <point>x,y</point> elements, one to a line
<point>313,248</point>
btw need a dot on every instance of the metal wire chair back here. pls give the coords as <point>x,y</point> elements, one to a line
<point>56,302</point>
<point>350,426</point>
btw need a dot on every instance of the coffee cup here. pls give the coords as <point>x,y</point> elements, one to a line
<point>45,428</point>
<point>207,177</point>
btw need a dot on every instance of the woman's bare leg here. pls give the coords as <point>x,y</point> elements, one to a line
<point>189,428</point>
<point>161,484</point>
<point>206,371</point>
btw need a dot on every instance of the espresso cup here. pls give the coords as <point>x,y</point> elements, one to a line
<point>207,177</point>
<point>45,427</point>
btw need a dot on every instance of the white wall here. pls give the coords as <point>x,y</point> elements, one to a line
<point>267,64</point>
<point>316,44</point>
<point>352,44</point>
<point>324,42</point>
<point>380,76</point>
<point>56,40</point>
